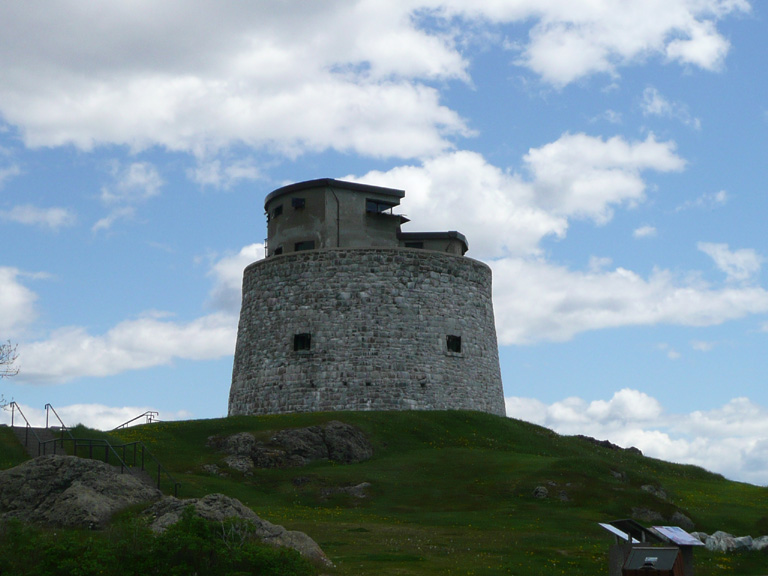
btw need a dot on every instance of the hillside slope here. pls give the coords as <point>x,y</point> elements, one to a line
<point>452,493</point>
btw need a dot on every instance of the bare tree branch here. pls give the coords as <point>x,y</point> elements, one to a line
<point>8,356</point>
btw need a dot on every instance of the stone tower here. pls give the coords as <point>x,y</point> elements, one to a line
<point>347,312</point>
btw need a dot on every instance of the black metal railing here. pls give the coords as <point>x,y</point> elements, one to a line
<point>150,415</point>
<point>142,460</point>
<point>28,428</point>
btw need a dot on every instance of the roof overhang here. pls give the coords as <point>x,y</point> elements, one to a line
<point>332,183</point>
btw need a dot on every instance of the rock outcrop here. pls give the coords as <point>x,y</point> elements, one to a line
<point>336,441</point>
<point>724,542</point>
<point>218,508</point>
<point>68,491</point>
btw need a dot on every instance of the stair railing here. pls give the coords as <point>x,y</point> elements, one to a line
<point>151,416</point>
<point>28,428</point>
<point>113,449</point>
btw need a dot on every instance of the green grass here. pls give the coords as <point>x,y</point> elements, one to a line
<point>452,494</point>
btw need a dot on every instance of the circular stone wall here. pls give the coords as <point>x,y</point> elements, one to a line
<point>366,329</point>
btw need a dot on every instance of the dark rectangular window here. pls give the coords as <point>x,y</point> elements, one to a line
<point>302,342</point>
<point>378,206</point>
<point>453,343</point>
<point>298,202</point>
<point>414,244</point>
<point>306,245</point>
<point>277,211</point>
<point>278,250</point>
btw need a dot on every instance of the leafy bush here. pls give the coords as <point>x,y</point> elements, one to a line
<point>191,546</point>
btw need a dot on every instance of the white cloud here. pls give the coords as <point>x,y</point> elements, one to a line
<point>151,340</point>
<point>53,218</point>
<point>644,232</point>
<point>8,172</point>
<point>738,265</point>
<point>583,176</point>
<point>131,186</point>
<point>72,352</point>
<point>93,415</point>
<point>212,173</point>
<point>351,76</point>
<point>574,39</point>
<point>731,440</point>
<point>226,294</point>
<point>503,213</point>
<point>708,201</point>
<point>654,104</point>
<point>121,213</point>
<point>535,300</point>
<point>702,346</point>
<point>348,76</point>
<point>134,183</point>
<point>17,303</point>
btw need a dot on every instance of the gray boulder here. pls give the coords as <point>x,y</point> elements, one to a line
<point>334,441</point>
<point>68,491</point>
<point>760,543</point>
<point>218,508</point>
<point>720,542</point>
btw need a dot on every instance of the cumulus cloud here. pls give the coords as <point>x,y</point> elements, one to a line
<point>216,174</point>
<point>738,265</point>
<point>131,186</point>
<point>17,302</point>
<point>731,439</point>
<point>8,172</point>
<point>654,104</point>
<point>583,176</point>
<point>72,352</point>
<point>226,294</point>
<point>52,218</point>
<point>151,340</point>
<point>574,39</point>
<point>644,232</point>
<point>348,76</point>
<point>352,76</point>
<point>707,201</point>
<point>536,300</point>
<point>505,213</point>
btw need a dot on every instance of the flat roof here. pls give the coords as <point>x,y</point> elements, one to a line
<point>449,235</point>
<point>332,183</point>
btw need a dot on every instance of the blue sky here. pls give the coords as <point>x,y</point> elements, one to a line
<point>606,159</point>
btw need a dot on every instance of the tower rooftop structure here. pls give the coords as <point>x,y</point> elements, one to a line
<point>328,213</point>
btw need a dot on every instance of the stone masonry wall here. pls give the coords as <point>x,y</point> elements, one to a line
<point>378,320</point>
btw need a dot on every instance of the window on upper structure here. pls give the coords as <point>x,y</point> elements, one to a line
<point>277,211</point>
<point>378,206</point>
<point>278,250</point>
<point>453,343</point>
<point>306,245</point>
<point>298,202</point>
<point>302,342</point>
<point>414,244</point>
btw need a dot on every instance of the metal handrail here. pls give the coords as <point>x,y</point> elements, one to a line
<point>150,414</point>
<point>91,443</point>
<point>14,407</point>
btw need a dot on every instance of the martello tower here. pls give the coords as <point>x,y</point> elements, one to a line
<point>348,312</point>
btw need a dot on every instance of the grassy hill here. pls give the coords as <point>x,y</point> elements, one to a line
<point>452,493</point>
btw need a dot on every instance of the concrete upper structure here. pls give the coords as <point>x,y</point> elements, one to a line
<point>328,213</point>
